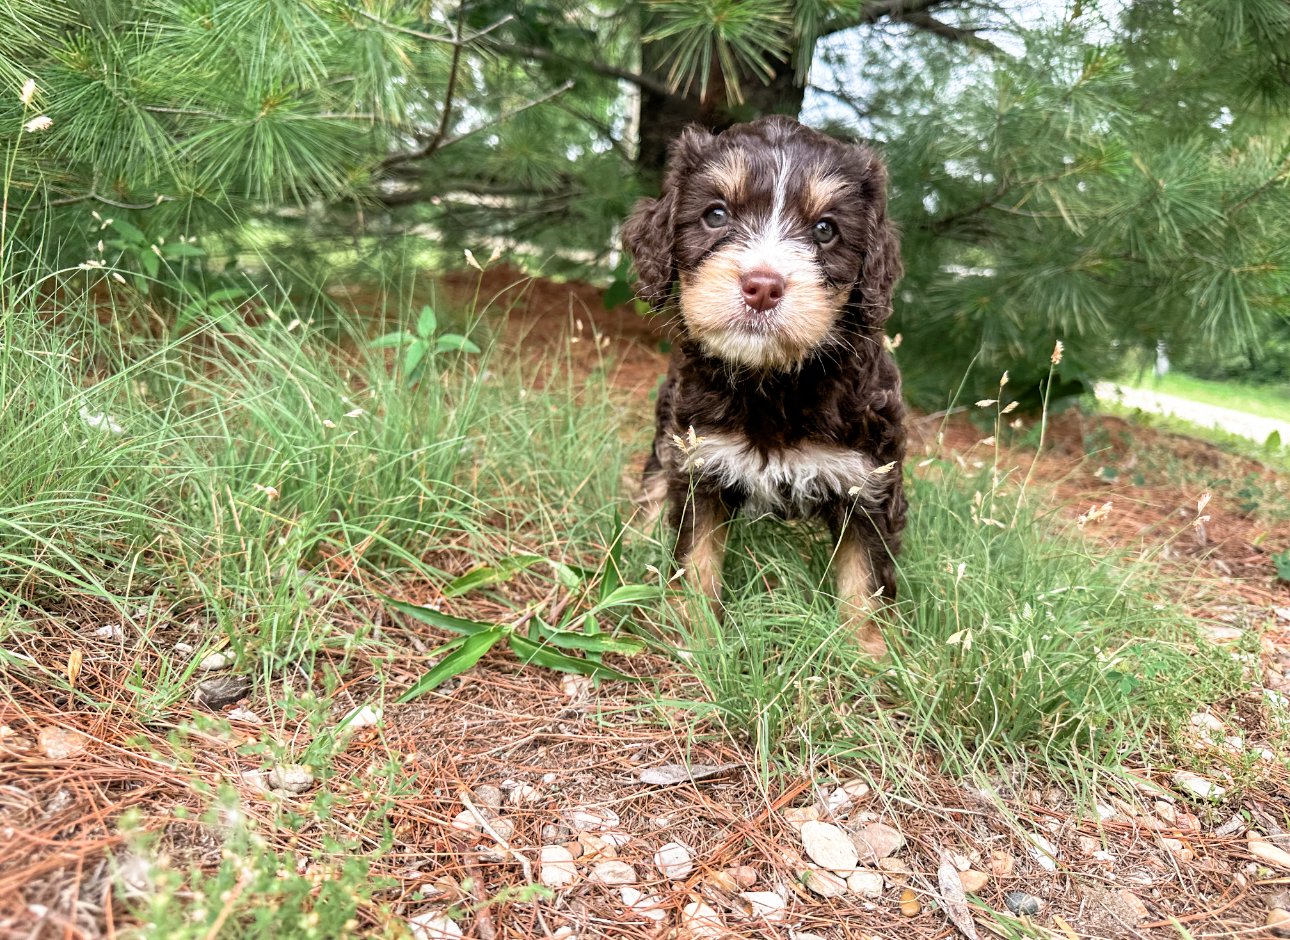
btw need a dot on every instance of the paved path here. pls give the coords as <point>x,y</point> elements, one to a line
<point>1254,427</point>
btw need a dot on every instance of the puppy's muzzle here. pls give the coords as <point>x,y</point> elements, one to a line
<point>762,289</point>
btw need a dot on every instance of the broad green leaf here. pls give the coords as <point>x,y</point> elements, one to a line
<point>485,575</point>
<point>594,643</point>
<point>451,342</point>
<point>415,356</point>
<point>618,293</point>
<point>465,653</point>
<point>630,594</point>
<point>530,652</point>
<point>182,250</point>
<point>129,232</point>
<point>441,620</point>
<point>150,263</point>
<point>427,322</point>
<point>1273,443</point>
<point>397,338</point>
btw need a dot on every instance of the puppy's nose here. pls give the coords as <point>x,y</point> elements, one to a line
<point>762,289</point>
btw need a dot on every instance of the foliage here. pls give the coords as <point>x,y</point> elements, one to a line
<point>422,344</point>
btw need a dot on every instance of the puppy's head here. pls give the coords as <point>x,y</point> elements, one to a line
<point>777,237</point>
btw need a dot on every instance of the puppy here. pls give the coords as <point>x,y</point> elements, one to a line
<point>771,246</point>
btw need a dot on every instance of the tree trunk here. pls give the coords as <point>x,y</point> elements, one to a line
<point>663,117</point>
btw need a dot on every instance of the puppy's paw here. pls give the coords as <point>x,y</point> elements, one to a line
<point>867,635</point>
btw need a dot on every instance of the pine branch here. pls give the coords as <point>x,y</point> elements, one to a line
<point>644,82</point>
<point>968,37</point>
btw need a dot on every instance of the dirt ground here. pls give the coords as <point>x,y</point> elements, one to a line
<point>568,756</point>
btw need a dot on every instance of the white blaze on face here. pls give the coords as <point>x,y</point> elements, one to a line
<point>712,302</point>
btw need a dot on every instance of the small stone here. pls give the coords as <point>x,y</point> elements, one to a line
<point>62,743</point>
<point>1088,845</point>
<point>824,883</point>
<point>502,827</point>
<point>702,922</point>
<point>110,631</point>
<point>574,686</point>
<point>1043,851</point>
<point>1266,852</point>
<point>646,905</point>
<point>616,838</point>
<point>876,841</point>
<point>488,796</point>
<point>765,905</point>
<point>1220,634</point>
<point>586,819</point>
<point>1001,864</point>
<point>722,881</point>
<point>1133,906</point>
<point>554,832</point>
<point>244,715</point>
<point>434,926</point>
<point>366,716</point>
<point>214,662</point>
<point>216,692</point>
<point>595,847</point>
<point>909,904</point>
<point>1022,904</point>
<point>564,933</point>
<point>1165,812</point>
<point>466,821</point>
<point>613,872</point>
<point>1278,922</point>
<point>294,778</point>
<point>1198,786</point>
<point>1178,849</point>
<point>555,866</point>
<point>674,861</point>
<point>523,794</point>
<point>798,816</point>
<point>745,875</point>
<point>896,870</point>
<point>867,884</point>
<point>973,881</point>
<point>828,846</point>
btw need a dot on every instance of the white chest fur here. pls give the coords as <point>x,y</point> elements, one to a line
<point>788,481</point>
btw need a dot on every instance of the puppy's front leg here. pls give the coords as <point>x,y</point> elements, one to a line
<point>701,539</point>
<point>857,580</point>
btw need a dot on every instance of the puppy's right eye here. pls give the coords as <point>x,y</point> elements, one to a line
<point>717,217</point>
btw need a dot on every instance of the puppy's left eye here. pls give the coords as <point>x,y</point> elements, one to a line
<point>824,232</point>
<point>717,217</point>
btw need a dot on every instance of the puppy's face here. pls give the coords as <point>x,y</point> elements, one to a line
<point>777,238</point>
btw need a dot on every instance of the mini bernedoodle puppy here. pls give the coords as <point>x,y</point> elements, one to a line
<point>772,242</point>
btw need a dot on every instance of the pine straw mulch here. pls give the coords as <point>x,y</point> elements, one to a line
<point>59,817</point>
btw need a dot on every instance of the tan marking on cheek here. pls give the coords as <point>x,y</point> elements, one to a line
<point>730,176</point>
<point>821,191</point>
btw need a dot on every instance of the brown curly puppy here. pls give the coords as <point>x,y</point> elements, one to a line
<point>772,245</point>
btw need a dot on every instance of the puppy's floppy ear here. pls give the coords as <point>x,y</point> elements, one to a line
<point>650,233</point>
<point>881,267</point>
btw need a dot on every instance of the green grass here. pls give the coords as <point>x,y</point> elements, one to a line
<point>1267,401</point>
<point>240,461</point>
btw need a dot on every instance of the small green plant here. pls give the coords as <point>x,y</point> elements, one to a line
<point>421,344</point>
<point>530,636</point>
<point>1282,562</point>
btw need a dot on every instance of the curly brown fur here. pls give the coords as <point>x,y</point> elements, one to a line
<point>770,245</point>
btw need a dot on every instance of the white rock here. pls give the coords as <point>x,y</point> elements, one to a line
<point>466,821</point>
<point>213,662</point>
<point>824,883</point>
<point>434,926</point>
<point>244,714</point>
<point>1198,786</point>
<point>867,884</point>
<point>366,716</point>
<point>798,816</point>
<point>1268,853</point>
<point>575,686</point>
<point>674,861</point>
<point>1042,851</point>
<point>828,846</point>
<point>616,838</point>
<point>524,793</point>
<point>1207,722</point>
<point>765,905</point>
<point>613,872</point>
<point>294,778</point>
<point>702,921</point>
<point>586,819</point>
<point>110,631</point>
<point>556,868</point>
<point>646,905</point>
<point>876,841</point>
